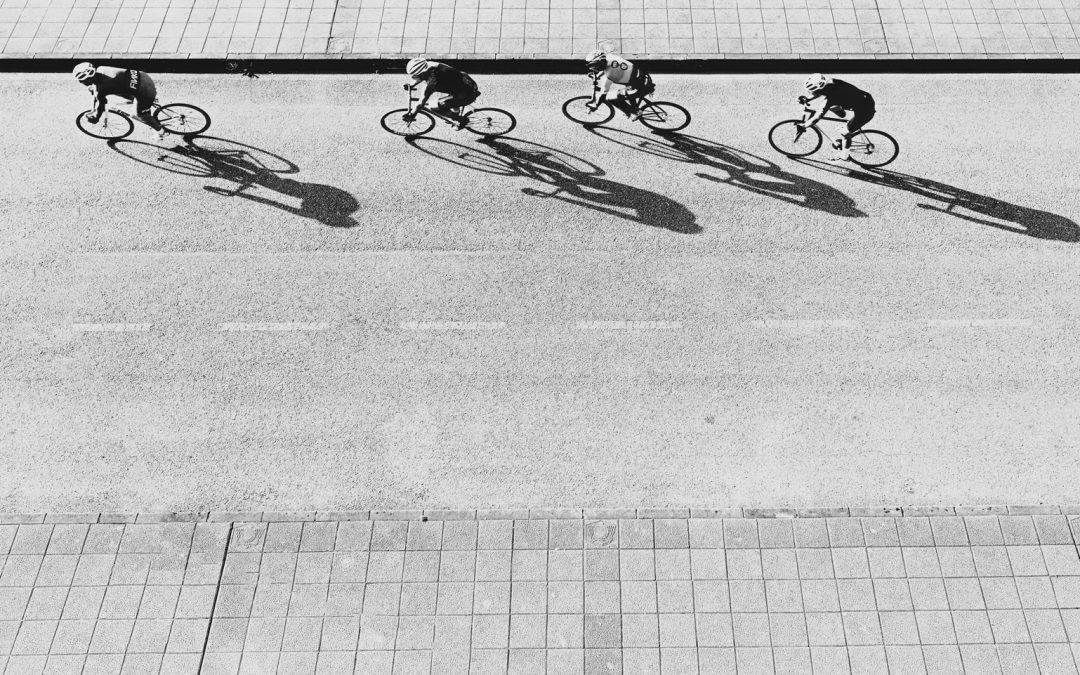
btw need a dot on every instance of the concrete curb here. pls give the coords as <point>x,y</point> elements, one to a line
<point>540,514</point>
<point>545,64</point>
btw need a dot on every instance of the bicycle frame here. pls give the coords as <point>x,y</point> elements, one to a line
<point>465,110</point>
<point>636,101</point>
<point>809,112</point>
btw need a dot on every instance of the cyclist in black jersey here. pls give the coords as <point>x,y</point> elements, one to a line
<point>105,81</point>
<point>840,96</point>
<point>457,88</point>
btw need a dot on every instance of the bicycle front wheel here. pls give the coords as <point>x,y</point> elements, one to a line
<point>111,126</point>
<point>873,148</point>
<point>182,119</point>
<point>401,123</point>
<point>490,122</point>
<point>664,116</point>
<point>787,139</point>
<point>577,110</point>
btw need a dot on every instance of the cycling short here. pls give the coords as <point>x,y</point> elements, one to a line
<point>142,90</point>
<point>861,115</point>
<point>641,82</point>
<point>458,100</point>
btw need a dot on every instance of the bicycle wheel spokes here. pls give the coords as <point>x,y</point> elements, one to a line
<point>183,119</point>
<point>577,110</point>
<point>787,139</point>
<point>401,123</point>
<point>873,148</point>
<point>664,116</point>
<point>490,122</point>
<point>110,126</point>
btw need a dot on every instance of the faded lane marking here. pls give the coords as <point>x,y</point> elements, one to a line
<point>453,325</point>
<point>110,327</point>
<point>981,323</point>
<point>628,325</point>
<point>276,327</point>
<point>806,323</point>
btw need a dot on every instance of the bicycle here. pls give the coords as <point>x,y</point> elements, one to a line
<point>661,116</point>
<point>486,122</point>
<point>869,148</point>
<point>183,119</point>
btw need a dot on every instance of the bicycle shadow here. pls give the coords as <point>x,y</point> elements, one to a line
<point>247,167</point>
<point>744,170</point>
<point>575,181</point>
<point>1007,216</point>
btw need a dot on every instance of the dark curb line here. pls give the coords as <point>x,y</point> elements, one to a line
<point>749,64</point>
<point>540,514</point>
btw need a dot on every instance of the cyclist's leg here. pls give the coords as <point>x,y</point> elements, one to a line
<point>145,95</point>
<point>859,118</point>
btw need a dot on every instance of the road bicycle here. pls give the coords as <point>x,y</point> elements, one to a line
<point>869,148</point>
<point>410,122</point>
<point>183,119</point>
<point>662,116</point>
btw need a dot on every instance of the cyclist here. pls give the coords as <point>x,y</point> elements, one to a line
<point>105,81</point>
<point>613,69</point>
<point>457,88</point>
<point>839,96</point>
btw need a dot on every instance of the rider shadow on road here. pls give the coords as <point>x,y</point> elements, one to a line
<point>575,181</point>
<point>1005,215</point>
<point>743,170</point>
<point>247,168</point>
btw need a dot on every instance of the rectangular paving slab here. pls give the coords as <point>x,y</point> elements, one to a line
<point>662,29</point>
<point>577,593</point>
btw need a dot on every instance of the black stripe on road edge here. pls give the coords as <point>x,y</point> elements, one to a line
<point>734,64</point>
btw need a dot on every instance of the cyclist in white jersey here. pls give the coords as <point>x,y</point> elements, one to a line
<point>612,69</point>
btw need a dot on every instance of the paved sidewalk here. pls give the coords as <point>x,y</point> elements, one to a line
<point>647,593</point>
<point>540,28</point>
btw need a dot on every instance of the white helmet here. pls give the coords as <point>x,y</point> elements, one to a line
<point>417,67</point>
<point>84,71</point>
<point>596,58</point>
<point>815,82</point>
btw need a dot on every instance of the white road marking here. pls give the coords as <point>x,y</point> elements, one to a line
<point>981,323</point>
<point>806,323</point>
<point>244,326</point>
<point>628,325</point>
<point>453,325</point>
<point>110,327</point>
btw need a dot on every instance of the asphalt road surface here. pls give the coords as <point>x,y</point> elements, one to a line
<point>302,311</point>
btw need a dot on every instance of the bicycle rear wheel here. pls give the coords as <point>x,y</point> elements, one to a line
<point>873,148</point>
<point>787,139</point>
<point>664,116</point>
<point>182,119</point>
<point>577,110</point>
<point>400,123</point>
<point>490,122</point>
<point>111,126</point>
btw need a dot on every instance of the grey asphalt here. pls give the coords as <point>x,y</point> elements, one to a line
<point>562,318</point>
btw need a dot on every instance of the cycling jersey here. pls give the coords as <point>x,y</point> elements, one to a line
<point>845,95</point>
<point>129,84</point>
<point>449,80</point>
<point>622,72</point>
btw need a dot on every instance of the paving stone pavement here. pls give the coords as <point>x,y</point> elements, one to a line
<point>646,593</point>
<point>712,29</point>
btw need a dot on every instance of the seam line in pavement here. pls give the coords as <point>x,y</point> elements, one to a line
<point>217,590</point>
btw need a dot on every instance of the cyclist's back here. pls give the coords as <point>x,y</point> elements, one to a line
<point>449,80</point>
<point>130,84</point>
<point>844,94</point>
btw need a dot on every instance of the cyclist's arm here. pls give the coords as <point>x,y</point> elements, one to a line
<point>99,102</point>
<point>817,114</point>
<point>603,86</point>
